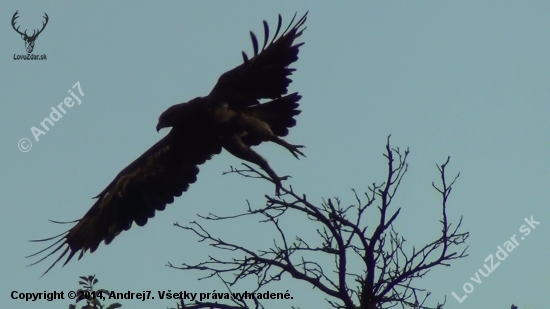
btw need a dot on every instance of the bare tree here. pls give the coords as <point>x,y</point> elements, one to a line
<point>388,269</point>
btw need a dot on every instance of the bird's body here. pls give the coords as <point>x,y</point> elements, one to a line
<point>230,117</point>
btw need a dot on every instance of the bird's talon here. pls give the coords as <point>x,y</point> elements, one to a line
<point>294,150</point>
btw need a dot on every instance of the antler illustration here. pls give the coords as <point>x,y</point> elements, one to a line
<point>29,40</point>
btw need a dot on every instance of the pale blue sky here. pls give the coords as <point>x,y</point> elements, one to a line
<point>462,79</point>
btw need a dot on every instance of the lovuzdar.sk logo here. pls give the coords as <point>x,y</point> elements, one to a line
<point>29,39</point>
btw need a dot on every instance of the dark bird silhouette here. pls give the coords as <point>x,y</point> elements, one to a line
<point>230,117</point>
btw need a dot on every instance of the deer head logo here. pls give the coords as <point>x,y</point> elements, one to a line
<point>29,40</point>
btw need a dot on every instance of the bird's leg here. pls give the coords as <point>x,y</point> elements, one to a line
<point>292,148</point>
<point>262,129</point>
<point>236,147</point>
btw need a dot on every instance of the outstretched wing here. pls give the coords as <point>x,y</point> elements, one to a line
<point>146,185</point>
<point>266,74</point>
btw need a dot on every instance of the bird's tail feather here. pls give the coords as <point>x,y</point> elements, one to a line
<point>278,114</point>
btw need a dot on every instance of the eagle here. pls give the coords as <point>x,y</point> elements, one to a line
<point>248,105</point>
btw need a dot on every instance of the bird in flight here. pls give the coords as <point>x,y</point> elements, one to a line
<point>231,117</point>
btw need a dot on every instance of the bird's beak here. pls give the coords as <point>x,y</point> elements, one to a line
<point>159,126</point>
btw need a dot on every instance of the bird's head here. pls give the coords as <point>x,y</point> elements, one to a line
<point>169,118</point>
<point>179,114</point>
